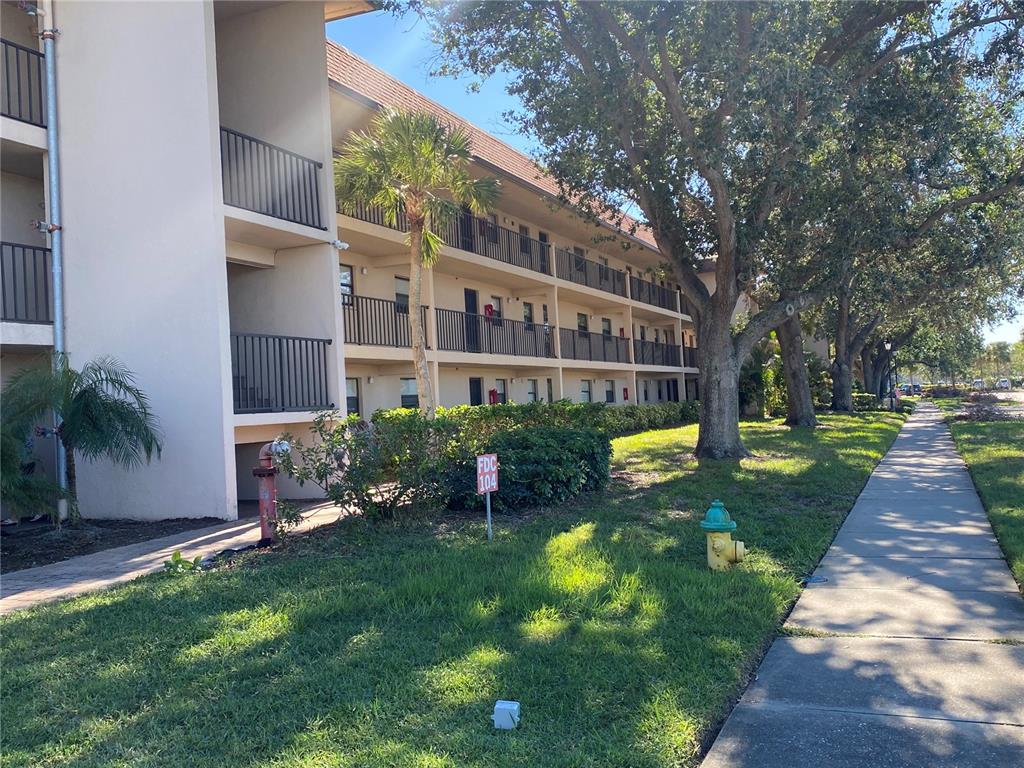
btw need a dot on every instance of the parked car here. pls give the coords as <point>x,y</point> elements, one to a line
<point>1003,384</point>
<point>917,389</point>
<point>906,389</point>
<point>978,384</point>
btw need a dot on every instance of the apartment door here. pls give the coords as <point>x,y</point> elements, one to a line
<point>466,230</point>
<point>472,320</point>
<point>476,391</point>
<point>545,248</point>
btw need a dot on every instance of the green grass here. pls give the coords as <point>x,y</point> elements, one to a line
<point>387,645</point>
<point>994,452</point>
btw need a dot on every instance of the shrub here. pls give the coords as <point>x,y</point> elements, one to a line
<point>865,401</point>
<point>539,467</point>
<point>398,461</point>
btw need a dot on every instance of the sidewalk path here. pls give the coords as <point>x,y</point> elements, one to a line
<point>914,654</point>
<point>31,586</point>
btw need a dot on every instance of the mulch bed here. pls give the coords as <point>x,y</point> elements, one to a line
<point>27,544</point>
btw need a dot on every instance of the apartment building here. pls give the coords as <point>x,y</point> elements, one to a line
<point>531,302</point>
<point>199,236</point>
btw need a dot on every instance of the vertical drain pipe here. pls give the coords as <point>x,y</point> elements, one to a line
<point>49,35</point>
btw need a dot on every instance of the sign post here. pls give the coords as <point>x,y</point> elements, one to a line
<point>487,481</point>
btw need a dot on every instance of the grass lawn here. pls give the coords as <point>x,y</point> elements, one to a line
<point>387,645</point>
<point>994,452</point>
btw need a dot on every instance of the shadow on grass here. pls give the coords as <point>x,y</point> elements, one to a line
<point>387,645</point>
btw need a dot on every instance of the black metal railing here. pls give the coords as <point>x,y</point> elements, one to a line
<point>263,178</point>
<point>24,84</point>
<point>26,283</point>
<point>690,357</point>
<point>374,215</point>
<point>473,234</point>
<point>464,332</point>
<point>577,269</point>
<point>586,345</point>
<point>651,293</point>
<point>278,373</point>
<point>655,353</point>
<point>378,322</point>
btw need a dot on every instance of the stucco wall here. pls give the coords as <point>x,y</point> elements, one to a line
<point>23,200</point>
<point>144,242</point>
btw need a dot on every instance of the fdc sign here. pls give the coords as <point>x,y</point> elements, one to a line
<point>487,473</point>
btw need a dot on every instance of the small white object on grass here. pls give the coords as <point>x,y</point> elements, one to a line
<point>506,715</point>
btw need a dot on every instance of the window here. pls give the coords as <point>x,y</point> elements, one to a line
<point>659,390</point>
<point>656,339</point>
<point>647,393</point>
<point>528,313</point>
<point>586,391</point>
<point>531,390</point>
<point>606,326</point>
<point>551,392</point>
<point>410,398</point>
<point>501,386</point>
<point>402,293</point>
<point>643,333</point>
<point>347,283</point>
<point>352,395</point>
<point>492,228</point>
<point>524,239</point>
<point>609,391</point>
<point>496,307</point>
<point>581,322</point>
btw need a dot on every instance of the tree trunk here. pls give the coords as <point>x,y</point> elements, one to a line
<point>799,400</point>
<point>842,384</point>
<point>72,478</point>
<point>719,432</point>
<point>424,387</point>
<point>867,371</point>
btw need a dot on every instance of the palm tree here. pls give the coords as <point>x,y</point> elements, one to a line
<point>414,164</point>
<point>99,412</point>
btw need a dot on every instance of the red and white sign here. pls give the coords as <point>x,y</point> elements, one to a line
<point>487,473</point>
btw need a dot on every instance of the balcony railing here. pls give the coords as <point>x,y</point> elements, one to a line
<point>23,84</point>
<point>26,283</point>
<point>690,357</point>
<point>266,179</point>
<point>600,347</point>
<point>651,293</point>
<point>655,353</point>
<point>475,235</point>
<point>378,322</point>
<point>278,373</point>
<point>577,269</point>
<point>464,332</point>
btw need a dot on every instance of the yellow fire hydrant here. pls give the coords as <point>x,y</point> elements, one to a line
<point>718,528</point>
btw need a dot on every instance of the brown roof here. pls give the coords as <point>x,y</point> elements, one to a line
<point>364,79</point>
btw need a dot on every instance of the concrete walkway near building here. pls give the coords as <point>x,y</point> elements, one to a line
<point>908,649</point>
<point>100,570</point>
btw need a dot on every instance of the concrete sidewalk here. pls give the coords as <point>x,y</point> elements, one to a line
<point>57,581</point>
<point>910,657</point>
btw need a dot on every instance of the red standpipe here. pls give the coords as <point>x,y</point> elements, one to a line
<point>266,476</point>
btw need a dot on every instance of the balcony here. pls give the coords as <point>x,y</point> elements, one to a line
<point>653,294</point>
<point>598,347</point>
<point>27,284</point>
<point>23,85</point>
<point>475,235</point>
<point>655,353</point>
<point>577,269</point>
<point>278,373</point>
<point>263,178</point>
<point>464,332</point>
<point>377,322</point>
<point>690,357</point>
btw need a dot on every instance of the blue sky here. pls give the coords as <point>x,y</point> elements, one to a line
<point>402,47</point>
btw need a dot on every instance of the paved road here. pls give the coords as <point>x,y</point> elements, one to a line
<point>909,658</point>
<point>23,589</point>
